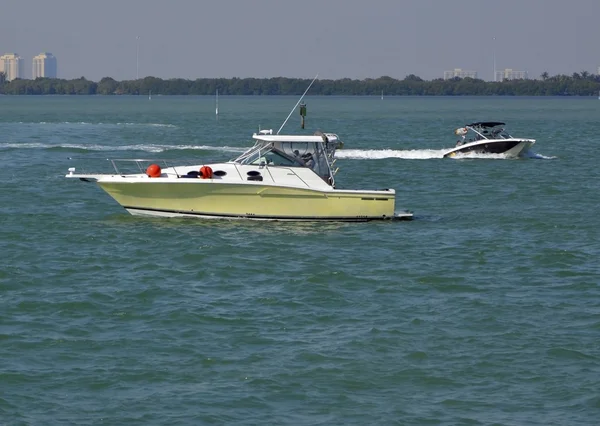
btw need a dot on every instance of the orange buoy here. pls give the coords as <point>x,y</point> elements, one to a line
<point>206,172</point>
<point>153,170</point>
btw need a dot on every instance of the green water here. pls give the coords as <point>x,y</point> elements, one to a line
<point>483,310</point>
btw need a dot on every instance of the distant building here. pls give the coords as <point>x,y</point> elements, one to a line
<point>11,65</point>
<point>459,72</point>
<point>598,71</point>
<point>510,74</point>
<point>44,65</point>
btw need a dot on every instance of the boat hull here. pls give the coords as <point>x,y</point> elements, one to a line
<point>209,199</point>
<point>509,147</point>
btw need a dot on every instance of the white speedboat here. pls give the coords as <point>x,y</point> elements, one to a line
<point>282,177</point>
<point>488,137</point>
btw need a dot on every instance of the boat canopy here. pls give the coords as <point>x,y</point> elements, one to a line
<point>326,138</point>
<point>315,152</point>
<point>483,130</point>
<point>486,124</point>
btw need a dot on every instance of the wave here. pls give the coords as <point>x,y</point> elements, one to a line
<point>423,154</point>
<point>377,154</point>
<point>85,123</point>
<point>470,155</point>
<point>350,154</point>
<point>140,147</point>
<point>146,124</point>
<point>536,156</point>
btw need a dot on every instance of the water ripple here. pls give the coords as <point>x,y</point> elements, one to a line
<point>485,310</point>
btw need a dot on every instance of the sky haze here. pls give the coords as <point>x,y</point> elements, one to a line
<point>336,38</point>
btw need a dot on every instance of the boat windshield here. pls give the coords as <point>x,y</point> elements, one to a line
<point>490,133</point>
<point>269,156</point>
<point>289,154</point>
<point>500,133</point>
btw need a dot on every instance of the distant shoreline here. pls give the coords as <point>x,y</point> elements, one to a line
<point>561,85</point>
<point>293,95</point>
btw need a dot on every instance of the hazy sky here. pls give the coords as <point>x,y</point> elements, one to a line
<point>300,38</point>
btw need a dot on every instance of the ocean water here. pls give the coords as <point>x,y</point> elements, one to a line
<point>484,310</point>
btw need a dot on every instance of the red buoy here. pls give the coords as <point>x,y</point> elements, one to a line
<point>153,170</point>
<point>205,172</point>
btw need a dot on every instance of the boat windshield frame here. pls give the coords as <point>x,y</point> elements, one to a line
<point>268,155</point>
<point>312,155</point>
<point>488,132</point>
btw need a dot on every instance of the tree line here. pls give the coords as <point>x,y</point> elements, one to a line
<point>578,84</point>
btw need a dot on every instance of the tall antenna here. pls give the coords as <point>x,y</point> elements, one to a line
<point>494,48</point>
<point>137,57</point>
<point>217,108</point>
<point>297,103</point>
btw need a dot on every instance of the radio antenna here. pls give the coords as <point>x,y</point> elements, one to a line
<point>297,103</point>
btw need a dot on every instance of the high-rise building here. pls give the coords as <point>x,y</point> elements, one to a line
<point>459,72</point>
<point>12,66</point>
<point>44,65</point>
<point>510,74</point>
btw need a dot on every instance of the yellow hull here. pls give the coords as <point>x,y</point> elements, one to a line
<point>249,200</point>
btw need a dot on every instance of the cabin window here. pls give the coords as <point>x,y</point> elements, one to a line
<point>271,158</point>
